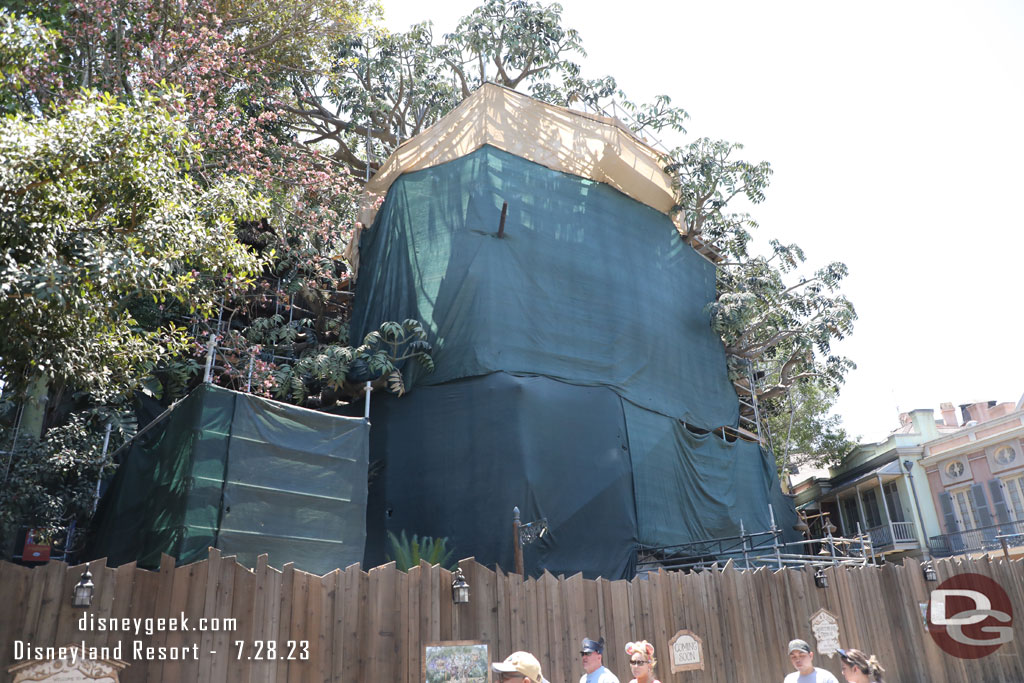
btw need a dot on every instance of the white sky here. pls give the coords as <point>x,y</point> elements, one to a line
<point>896,132</point>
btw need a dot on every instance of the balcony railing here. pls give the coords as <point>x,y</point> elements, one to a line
<point>882,536</point>
<point>973,540</point>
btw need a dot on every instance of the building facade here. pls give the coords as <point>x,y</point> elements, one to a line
<point>933,487</point>
<point>976,481</point>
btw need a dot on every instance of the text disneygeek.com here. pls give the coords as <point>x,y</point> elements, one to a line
<point>141,649</point>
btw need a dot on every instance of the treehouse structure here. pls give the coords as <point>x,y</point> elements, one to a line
<point>577,375</point>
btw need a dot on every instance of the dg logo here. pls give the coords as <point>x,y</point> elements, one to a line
<point>970,616</point>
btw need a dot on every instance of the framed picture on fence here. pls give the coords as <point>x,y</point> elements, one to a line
<point>456,661</point>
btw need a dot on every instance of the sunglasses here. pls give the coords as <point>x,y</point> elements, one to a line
<point>637,662</point>
<point>584,654</point>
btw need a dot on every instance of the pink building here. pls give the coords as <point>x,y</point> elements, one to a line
<point>933,487</point>
<point>976,478</point>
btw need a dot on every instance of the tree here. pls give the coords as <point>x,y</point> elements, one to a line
<point>777,322</point>
<point>778,326</point>
<point>239,62</point>
<point>164,201</point>
<point>96,214</point>
<point>385,87</point>
<point>803,430</point>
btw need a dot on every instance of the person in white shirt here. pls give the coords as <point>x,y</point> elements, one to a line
<point>802,658</point>
<point>592,652</point>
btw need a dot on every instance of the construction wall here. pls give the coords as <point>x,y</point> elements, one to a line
<point>373,626</point>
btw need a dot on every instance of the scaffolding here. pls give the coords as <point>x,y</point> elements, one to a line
<point>750,550</point>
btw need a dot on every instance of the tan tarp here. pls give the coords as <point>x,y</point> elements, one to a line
<point>595,147</point>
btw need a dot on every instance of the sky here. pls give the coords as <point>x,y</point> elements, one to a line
<point>896,133</point>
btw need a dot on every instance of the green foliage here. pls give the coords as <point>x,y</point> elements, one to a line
<point>802,428</point>
<point>396,84</point>
<point>24,44</point>
<point>50,481</point>
<point>768,315</point>
<point>407,553</point>
<point>342,368</point>
<point>96,211</point>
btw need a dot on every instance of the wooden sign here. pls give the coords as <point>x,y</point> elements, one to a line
<point>69,669</point>
<point>456,660</point>
<point>825,627</point>
<point>687,651</point>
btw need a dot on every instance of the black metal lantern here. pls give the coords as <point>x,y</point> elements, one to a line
<point>929,572</point>
<point>82,595</point>
<point>820,579</point>
<point>460,588</point>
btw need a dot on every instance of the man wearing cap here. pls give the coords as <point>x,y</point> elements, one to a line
<point>592,653</point>
<point>802,658</point>
<point>518,667</point>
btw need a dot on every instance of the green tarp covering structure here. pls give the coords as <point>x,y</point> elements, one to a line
<point>243,474</point>
<point>587,285</point>
<point>569,354</point>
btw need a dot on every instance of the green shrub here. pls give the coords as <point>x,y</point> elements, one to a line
<point>407,553</point>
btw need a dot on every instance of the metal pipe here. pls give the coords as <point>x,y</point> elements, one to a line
<point>248,382</point>
<point>517,544</point>
<point>908,465</point>
<point>743,538</point>
<point>775,535</point>
<point>211,347</point>
<point>366,406</point>
<point>501,223</point>
<point>14,441</point>
<point>103,461</point>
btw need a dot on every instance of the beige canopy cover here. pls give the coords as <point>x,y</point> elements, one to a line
<point>596,147</point>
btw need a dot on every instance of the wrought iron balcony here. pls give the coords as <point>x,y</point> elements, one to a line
<point>977,540</point>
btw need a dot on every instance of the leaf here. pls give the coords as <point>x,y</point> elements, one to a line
<point>395,383</point>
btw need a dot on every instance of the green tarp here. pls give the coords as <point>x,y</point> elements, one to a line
<point>243,474</point>
<point>569,353</point>
<point>587,285</point>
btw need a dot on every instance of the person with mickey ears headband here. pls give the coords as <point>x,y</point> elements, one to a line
<point>802,659</point>
<point>517,668</point>
<point>641,661</point>
<point>858,667</point>
<point>592,652</point>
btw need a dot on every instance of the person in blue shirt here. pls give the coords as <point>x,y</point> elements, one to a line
<point>592,652</point>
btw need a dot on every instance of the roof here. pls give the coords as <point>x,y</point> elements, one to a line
<point>599,148</point>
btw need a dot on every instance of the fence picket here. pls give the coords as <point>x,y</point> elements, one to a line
<point>374,626</point>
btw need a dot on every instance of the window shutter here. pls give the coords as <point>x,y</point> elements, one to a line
<point>995,487</point>
<point>980,504</point>
<point>946,501</point>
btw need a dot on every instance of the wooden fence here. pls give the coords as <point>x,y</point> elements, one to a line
<point>373,626</point>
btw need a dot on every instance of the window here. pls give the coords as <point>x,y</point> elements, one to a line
<point>852,515</point>
<point>955,469</point>
<point>963,508</point>
<point>892,501</point>
<point>1015,494</point>
<point>871,509</point>
<point>1005,455</point>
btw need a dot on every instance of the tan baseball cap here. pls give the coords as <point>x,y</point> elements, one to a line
<point>520,662</point>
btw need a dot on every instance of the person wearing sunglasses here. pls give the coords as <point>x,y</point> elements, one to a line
<point>641,661</point>
<point>858,667</point>
<point>518,667</point>
<point>802,659</point>
<point>592,653</point>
